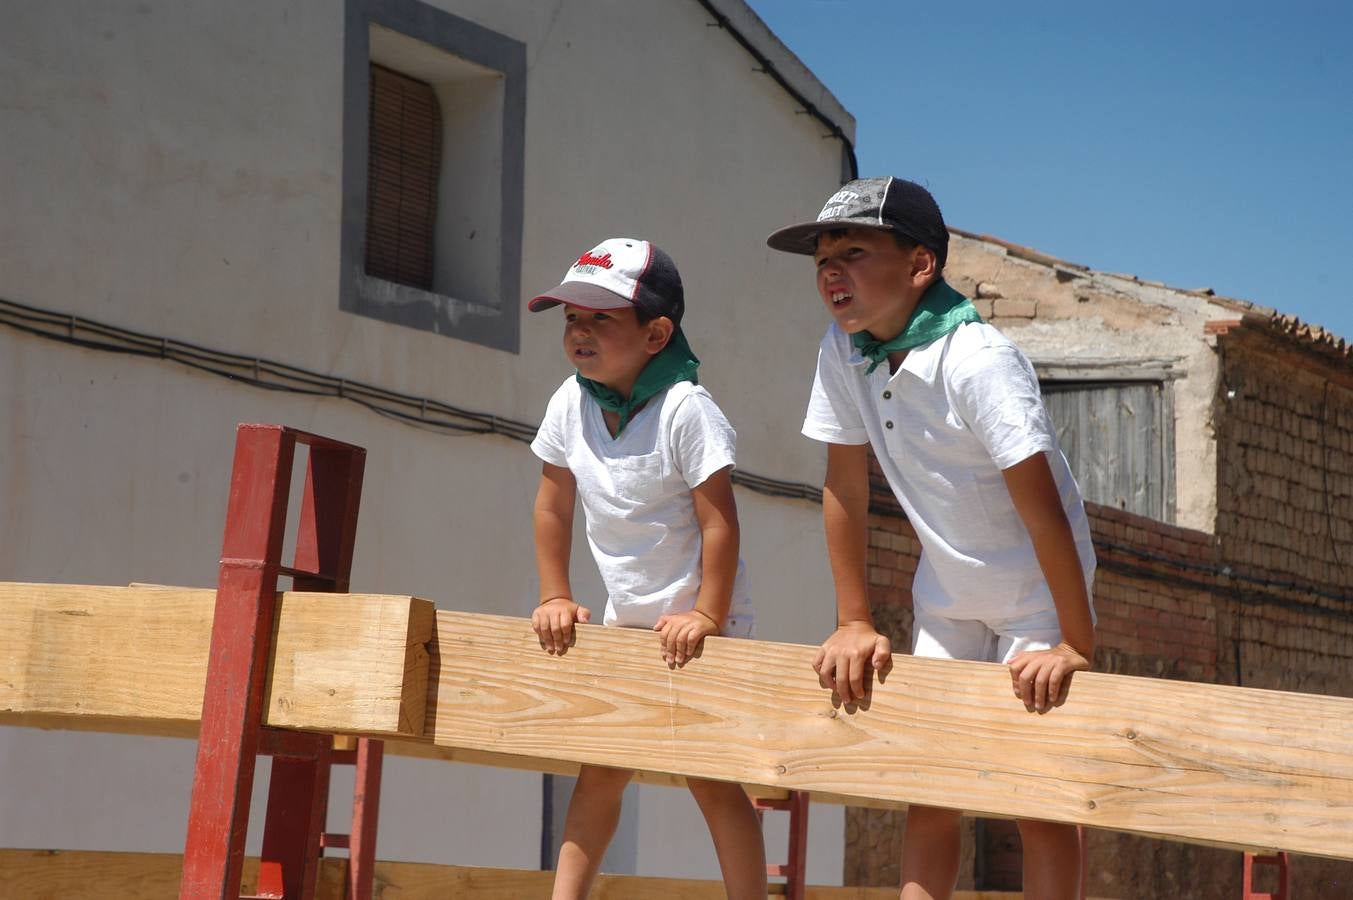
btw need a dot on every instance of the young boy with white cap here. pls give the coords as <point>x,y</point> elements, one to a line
<point>650,455</point>
<point>954,414</point>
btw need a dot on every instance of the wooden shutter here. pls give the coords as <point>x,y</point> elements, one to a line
<point>1119,440</point>
<point>404,159</point>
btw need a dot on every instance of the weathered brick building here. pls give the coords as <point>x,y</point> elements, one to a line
<point>1216,439</point>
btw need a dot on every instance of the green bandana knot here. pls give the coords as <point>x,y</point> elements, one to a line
<point>941,310</point>
<point>671,364</point>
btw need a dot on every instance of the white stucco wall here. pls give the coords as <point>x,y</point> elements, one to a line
<point>176,169</point>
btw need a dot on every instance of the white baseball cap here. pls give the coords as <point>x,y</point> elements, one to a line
<point>620,273</point>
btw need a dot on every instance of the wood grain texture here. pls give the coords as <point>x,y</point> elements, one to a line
<point>84,875</point>
<point>80,875</point>
<point>420,750</point>
<point>134,660</point>
<point>1206,763</point>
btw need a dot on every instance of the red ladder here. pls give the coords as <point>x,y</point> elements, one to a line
<point>795,870</point>
<point>232,735</point>
<point>1279,861</point>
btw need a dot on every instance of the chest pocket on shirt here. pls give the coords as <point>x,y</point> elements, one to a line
<point>637,478</point>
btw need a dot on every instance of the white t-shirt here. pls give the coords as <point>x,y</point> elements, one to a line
<point>957,411</point>
<point>636,496</point>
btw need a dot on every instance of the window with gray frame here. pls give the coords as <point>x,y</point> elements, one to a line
<point>433,169</point>
<point>1118,437</point>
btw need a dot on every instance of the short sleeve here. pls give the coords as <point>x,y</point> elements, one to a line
<point>995,392</point>
<point>833,416</point>
<point>702,441</point>
<point>549,440</point>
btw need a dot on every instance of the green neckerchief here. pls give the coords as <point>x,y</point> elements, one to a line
<point>941,310</point>
<point>671,364</point>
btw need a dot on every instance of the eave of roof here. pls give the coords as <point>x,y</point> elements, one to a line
<point>801,78</point>
<point>1252,314</point>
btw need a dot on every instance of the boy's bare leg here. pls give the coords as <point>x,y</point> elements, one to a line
<point>1052,860</point>
<point>736,830</point>
<point>593,813</point>
<point>930,853</point>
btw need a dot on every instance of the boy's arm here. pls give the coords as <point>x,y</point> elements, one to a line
<point>844,659</point>
<point>553,618</point>
<point>1042,678</point>
<point>717,514</point>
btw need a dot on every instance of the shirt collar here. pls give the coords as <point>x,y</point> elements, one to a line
<point>922,361</point>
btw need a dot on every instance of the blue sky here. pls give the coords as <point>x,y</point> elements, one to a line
<point>1202,144</point>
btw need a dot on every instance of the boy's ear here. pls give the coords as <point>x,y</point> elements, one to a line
<point>660,331</point>
<point>924,265</point>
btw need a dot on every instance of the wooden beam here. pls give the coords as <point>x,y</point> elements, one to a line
<point>88,875</point>
<point>134,660</point>
<point>82,875</point>
<point>423,750</point>
<point>1206,763</point>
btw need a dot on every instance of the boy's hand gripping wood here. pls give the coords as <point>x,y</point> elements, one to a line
<point>720,543</point>
<point>1042,678</point>
<point>855,651</point>
<point>553,517</point>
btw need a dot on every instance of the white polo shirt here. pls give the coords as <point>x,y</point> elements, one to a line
<point>636,496</point>
<point>957,411</point>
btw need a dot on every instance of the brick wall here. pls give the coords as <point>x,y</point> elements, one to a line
<point>1285,461</point>
<point>1172,603</point>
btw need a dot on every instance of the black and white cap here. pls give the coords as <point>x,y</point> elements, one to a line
<point>617,273</point>
<point>892,204</point>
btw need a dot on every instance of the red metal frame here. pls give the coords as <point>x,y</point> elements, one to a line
<point>1083,838</point>
<point>795,869</point>
<point>1279,860</point>
<point>232,735</point>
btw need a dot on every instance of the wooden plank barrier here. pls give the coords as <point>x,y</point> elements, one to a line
<point>1204,763</point>
<point>81,875</point>
<point>135,660</point>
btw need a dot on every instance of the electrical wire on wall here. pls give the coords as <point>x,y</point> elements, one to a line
<point>445,418</point>
<point>421,412</point>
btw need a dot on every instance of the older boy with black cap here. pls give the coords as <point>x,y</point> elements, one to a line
<point>650,455</point>
<point>955,417</point>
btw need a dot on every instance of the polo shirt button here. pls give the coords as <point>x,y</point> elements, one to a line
<point>887,395</point>
<point>888,424</point>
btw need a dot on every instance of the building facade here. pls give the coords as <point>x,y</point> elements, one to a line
<point>342,206</point>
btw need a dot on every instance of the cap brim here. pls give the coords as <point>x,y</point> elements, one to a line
<point>802,238</point>
<point>580,294</point>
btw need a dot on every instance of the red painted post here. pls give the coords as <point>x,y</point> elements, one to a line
<point>327,530</point>
<point>366,798</point>
<point>298,798</point>
<point>241,634</point>
<point>232,708</point>
<point>1278,861</point>
<point>1083,837</point>
<point>298,791</point>
<point>795,869</point>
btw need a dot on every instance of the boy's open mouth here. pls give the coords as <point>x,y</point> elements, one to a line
<point>841,298</point>
<point>585,352</point>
